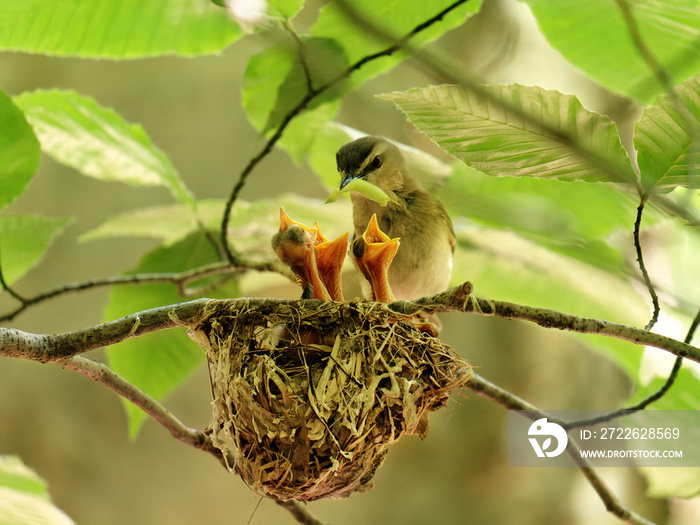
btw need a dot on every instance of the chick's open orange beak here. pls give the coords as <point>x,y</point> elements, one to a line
<point>294,244</point>
<point>373,253</point>
<point>329,260</point>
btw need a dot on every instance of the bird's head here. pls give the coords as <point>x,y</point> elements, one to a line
<point>373,159</point>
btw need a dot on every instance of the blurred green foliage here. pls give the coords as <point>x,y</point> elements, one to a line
<point>542,192</point>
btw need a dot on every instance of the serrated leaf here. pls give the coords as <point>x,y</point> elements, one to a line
<point>19,151</point>
<point>23,242</point>
<point>24,499</point>
<point>98,142</point>
<point>667,142</point>
<point>519,131</point>
<point>583,32</point>
<point>160,362</point>
<point>108,29</point>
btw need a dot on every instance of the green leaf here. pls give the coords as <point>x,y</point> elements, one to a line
<point>519,131</point>
<point>19,151</point>
<point>77,132</point>
<point>506,266</point>
<point>276,81</point>
<point>160,362</point>
<point>24,240</point>
<point>667,155</point>
<point>583,32</point>
<point>395,19</point>
<point>24,498</point>
<point>575,219</point>
<point>263,77</point>
<point>327,141</point>
<point>170,223</point>
<point>303,132</point>
<point>670,482</point>
<point>683,399</point>
<point>285,8</point>
<point>108,29</point>
<point>683,395</point>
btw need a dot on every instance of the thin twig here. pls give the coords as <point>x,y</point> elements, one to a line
<point>6,286</point>
<point>651,398</point>
<point>643,269</point>
<point>102,374</point>
<point>501,396</point>
<point>299,511</point>
<point>606,495</point>
<point>179,279</point>
<point>301,106</point>
<point>301,53</point>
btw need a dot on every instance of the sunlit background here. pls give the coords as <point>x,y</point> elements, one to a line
<point>73,432</point>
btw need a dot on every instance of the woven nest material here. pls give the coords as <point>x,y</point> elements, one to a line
<point>313,393</point>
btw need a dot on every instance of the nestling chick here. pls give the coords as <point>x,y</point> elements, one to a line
<point>316,262</point>
<point>294,245</point>
<point>423,265</point>
<point>373,254</point>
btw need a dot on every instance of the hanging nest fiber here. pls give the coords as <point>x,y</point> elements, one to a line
<point>312,393</point>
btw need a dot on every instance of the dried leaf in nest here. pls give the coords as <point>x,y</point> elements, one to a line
<point>312,393</point>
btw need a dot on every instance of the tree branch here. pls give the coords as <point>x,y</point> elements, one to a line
<point>651,398</point>
<point>299,511</point>
<point>45,348</point>
<point>643,269</point>
<point>512,402</point>
<point>102,374</point>
<point>61,348</point>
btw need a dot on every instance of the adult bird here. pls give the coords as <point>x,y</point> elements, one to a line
<point>423,264</point>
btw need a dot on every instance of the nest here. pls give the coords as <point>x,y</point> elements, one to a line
<point>312,393</point>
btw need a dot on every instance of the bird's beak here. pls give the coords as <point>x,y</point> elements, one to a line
<point>347,177</point>
<point>374,257</point>
<point>286,221</point>
<point>373,234</point>
<point>329,260</point>
<point>295,244</point>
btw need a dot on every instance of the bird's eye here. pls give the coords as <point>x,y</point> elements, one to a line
<point>376,162</point>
